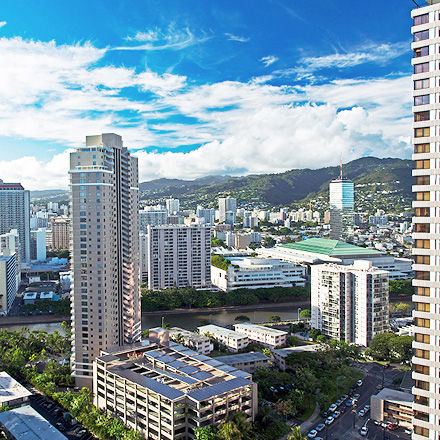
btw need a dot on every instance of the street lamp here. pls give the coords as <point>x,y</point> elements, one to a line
<point>354,413</point>
<point>162,321</point>
<point>299,311</point>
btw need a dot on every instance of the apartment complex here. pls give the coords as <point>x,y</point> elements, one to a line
<point>254,273</point>
<point>232,339</point>
<point>60,233</point>
<point>227,210</point>
<point>165,390</point>
<point>271,337</point>
<point>426,362</point>
<point>178,256</point>
<point>105,251</point>
<point>392,406</point>
<point>15,214</point>
<point>153,216</point>
<point>9,279</point>
<point>350,303</point>
<point>173,206</point>
<point>341,209</point>
<point>201,344</point>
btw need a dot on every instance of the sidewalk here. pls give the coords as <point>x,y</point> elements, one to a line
<point>305,426</point>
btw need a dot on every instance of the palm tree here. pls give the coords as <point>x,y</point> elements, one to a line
<point>229,431</point>
<point>296,435</point>
<point>243,425</point>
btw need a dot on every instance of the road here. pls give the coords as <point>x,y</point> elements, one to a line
<point>348,425</point>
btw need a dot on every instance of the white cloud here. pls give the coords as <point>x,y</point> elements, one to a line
<point>270,59</point>
<point>2,23</point>
<point>237,38</point>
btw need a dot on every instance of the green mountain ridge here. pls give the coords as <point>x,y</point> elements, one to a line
<point>298,184</point>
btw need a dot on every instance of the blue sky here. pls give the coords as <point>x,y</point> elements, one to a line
<point>203,87</point>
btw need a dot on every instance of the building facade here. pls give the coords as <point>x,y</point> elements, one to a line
<point>15,214</point>
<point>350,303</point>
<point>233,340</point>
<point>271,337</point>
<point>173,206</point>
<point>38,244</point>
<point>341,210</point>
<point>9,279</point>
<point>60,233</point>
<point>426,362</point>
<point>165,391</point>
<point>227,210</point>
<point>104,251</point>
<point>153,216</point>
<point>178,256</point>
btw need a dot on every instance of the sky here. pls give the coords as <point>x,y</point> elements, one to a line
<point>200,87</point>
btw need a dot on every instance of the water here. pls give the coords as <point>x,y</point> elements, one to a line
<point>191,320</point>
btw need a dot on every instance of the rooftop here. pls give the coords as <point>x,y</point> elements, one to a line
<point>10,389</point>
<point>187,334</point>
<point>284,352</point>
<point>261,328</point>
<point>243,357</point>
<point>174,371</point>
<point>394,396</point>
<point>27,424</point>
<point>331,248</point>
<point>215,329</point>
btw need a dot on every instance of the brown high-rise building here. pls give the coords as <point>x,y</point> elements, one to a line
<point>426,360</point>
<point>60,233</point>
<point>105,251</point>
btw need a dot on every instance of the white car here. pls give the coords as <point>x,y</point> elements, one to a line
<point>364,431</point>
<point>329,420</point>
<point>359,383</point>
<point>332,408</point>
<point>361,413</point>
<point>312,434</point>
<point>336,414</point>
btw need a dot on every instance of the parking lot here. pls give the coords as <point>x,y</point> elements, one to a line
<point>55,415</point>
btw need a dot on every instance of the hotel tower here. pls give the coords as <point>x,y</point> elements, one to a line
<point>426,108</point>
<point>104,248</point>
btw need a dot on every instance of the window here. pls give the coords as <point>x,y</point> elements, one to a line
<point>421,19</point>
<point>422,369</point>
<point>421,416</point>
<point>423,354</point>
<point>421,100</point>
<point>422,244</point>
<point>421,68</point>
<point>421,148</point>
<point>422,132</point>
<point>423,291</point>
<point>421,52</point>
<point>420,36</point>
<point>421,116</point>
<point>423,307</point>
<point>421,180</point>
<point>422,275</point>
<point>421,84</point>
<point>422,385</point>
<point>420,322</point>
<point>422,227</point>
<point>422,259</point>
<point>423,196</point>
<point>422,164</point>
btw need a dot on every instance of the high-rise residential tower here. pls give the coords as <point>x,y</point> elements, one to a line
<point>341,209</point>
<point>15,214</point>
<point>227,207</point>
<point>105,250</point>
<point>426,360</point>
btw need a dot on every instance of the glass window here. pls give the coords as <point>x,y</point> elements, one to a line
<point>421,52</point>
<point>423,307</point>
<point>421,19</point>
<point>421,132</point>
<point>422,244</point>
<point>423,196</point>
<point>421,68</point>
<point>421,116</point>
<point>421,84</point>
<point>424,228</point>
<point>423,291</point>
<point>421,100</point>
<point>422,164</point>
<point>421,148</point>
<point>420,36</point>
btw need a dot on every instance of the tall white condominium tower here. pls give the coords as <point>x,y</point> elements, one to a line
<point>350,303</point>
<point>178,256</point>
<point>227,207</point>
<point>426,360</point>
<point>15,214</point>
<point>105,251</point>
<point>341,209</point>
<point>173,206</point>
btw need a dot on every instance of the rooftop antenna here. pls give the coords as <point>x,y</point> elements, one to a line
<point>415,3</point>
<point>341,165</point>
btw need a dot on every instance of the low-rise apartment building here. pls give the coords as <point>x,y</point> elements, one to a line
<point>12,394</point>
<point>392,406</point>
<point>268,336</point>
<point>164,390</point>
<point>233,340</point>
<point>202,344</point>
<point>247,361</point>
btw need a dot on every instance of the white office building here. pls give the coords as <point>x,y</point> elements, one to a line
<point>9,279</point>
<point>38,245</point>
<point>341,209</point>
<point>173,206</point>
<point>271,337</point>
<point>152,216</point>
<point>254,273</point>
<point>232,339</point>
<point>178,256</point>
<point>227,210</point>
<point>350,303</point>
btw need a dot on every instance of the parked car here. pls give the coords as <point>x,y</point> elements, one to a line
<point>329,420</point>
<point>356,396</point>
<point>367,408</point>
<point>336,414</point>
<point>312,434</point>
<point>320,427</point>
<point>392,426</point>
<point>361,413</point>
<point>81,433</point>
<point>349,402</point>
<point>408,430</point>
<point>332,408</point>
<point>364,431</point>
<point>60,426</point>
<point>359,383</point>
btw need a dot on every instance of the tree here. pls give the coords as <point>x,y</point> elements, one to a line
<point>296,434</point>
<point>306,313</point>
<point>321,339</point>
<point>242,318</point>
<point>205,433</point>
<point>228,431</point>
<point>314,333</point>
<point>274,318</point>
<point>285,408</point>
<point>269,242</point>
<point>402,346</point>
<point>293,341</point>
<point>401,307</point>
<point>381,346</point>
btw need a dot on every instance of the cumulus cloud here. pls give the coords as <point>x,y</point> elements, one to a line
<point>270,59</point>
<point>2,23</point>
